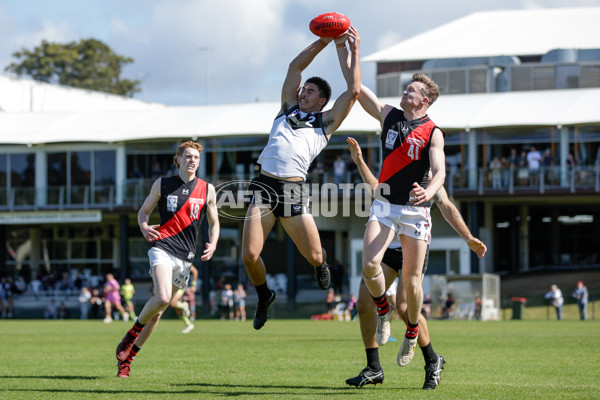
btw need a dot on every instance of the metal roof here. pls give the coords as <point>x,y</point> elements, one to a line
<point>450,112</point>
<point>495,33</point>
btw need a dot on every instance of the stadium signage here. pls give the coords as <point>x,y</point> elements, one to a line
<point>47,217</point>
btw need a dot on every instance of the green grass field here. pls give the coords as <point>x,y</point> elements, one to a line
<point>296,359</point>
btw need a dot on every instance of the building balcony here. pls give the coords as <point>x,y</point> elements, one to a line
<point>460,182</point>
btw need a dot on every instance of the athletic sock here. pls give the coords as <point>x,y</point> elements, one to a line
<point>136,329</point>
<point>132,353</point>
<point>412,330</point>
<point>428,354</point>
<point>382,304</point>
<point>373,359</point>
<point>263,292</point>
<point>186,320</point>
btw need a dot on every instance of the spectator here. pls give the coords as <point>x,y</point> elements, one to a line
<point>581,294</point>
<point>96,302</point>
<point>534,159</point>
<point>20,285</point>
<point>339,170</point>
<point>227,302</point>
<point>51,311</point>
<point>351,310</point>
<point>317,172</point>
<point>63,311</point>
<point>240,303</point>
<point>496,167</point>
<point>448,310</point>
<point>426,307</point>
<point>85,299</point>
<point>522,171</point>
<point>556,299</point>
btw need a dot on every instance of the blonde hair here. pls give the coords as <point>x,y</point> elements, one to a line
<point>432,91</point>
<point>186,145</point>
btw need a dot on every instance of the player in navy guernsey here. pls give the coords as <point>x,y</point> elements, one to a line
<point>299,133</point>
<point>182,201</point>
<point>412,145</point>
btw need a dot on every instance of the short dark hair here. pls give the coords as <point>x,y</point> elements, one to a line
<point>324,88</point>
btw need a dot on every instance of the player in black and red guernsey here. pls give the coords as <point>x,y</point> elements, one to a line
<point>412,146</point>
<point>182,201</point>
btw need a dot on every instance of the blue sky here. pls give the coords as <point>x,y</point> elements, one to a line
<point>251,42</point>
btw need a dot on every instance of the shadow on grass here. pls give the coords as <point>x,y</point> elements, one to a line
<point>208,388</point>
<point>48,377</point>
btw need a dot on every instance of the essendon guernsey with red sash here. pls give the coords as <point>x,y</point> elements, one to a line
<point>181,208</point>
<point>405,147</point>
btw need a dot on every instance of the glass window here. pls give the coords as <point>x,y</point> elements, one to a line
<point>57,169</point>
<point>3,171</point>
<point>22,169</point>
<point>105,167</point>
<point>80,168</point>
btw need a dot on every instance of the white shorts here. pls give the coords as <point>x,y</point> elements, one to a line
<point>181,268</point>
<point>404,220</point>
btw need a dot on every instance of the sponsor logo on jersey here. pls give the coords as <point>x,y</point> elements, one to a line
<point>185,191</point>
<point>415,141</point>
<point>190,256</point>
<point>391,139</point>
<point>194,200</point>
<point>172,203</point>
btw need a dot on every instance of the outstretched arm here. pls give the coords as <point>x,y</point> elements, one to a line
<point>213,222</point>
<point>452,215</point>
<point>293,79</point>
<point>350,65</point>
<point>365,173</point>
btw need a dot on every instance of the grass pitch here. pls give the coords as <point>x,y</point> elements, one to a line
<point>296,359</point>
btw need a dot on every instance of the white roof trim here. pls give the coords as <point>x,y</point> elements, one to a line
<point>450,112</point>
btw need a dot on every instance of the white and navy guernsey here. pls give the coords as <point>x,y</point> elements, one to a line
<point>295,140</point>
<point>181,208</point>
<point>405,154</point>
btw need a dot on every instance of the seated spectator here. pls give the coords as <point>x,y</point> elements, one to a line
<point>51,311</point>
<point>20,285</point>
<point>448,309</point>
<point>426,307</point>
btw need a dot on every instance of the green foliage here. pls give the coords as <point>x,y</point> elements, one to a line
<point>87,64</point>
<point>296,359</point>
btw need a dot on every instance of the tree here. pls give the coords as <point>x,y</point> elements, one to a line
<point>87,64</point>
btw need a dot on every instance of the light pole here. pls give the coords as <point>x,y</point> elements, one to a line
<point>206,49</point>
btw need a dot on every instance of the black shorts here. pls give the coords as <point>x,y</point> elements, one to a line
<point>285,199</point>
<point>393,259</point>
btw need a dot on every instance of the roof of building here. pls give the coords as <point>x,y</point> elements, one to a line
<point>450,112</point>
<point>494,33</point>
<point>26,95</point>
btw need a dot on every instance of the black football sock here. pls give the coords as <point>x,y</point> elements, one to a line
<point>428,354</point>
<point>263,292</point>
<point>373,359</point>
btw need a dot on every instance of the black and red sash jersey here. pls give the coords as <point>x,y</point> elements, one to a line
<point>405,146</point>
<point>181,208</point>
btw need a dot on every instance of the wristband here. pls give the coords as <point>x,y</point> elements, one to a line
<point>343,44</point>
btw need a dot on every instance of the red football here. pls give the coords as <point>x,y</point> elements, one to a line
<point>329,24</point>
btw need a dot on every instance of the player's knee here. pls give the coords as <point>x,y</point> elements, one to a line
<point>249,257</point>
<point>364,305</point>
<point>402,311</point>
<point>371,268</point>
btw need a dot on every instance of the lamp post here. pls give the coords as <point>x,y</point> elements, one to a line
<point>206,49</point>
